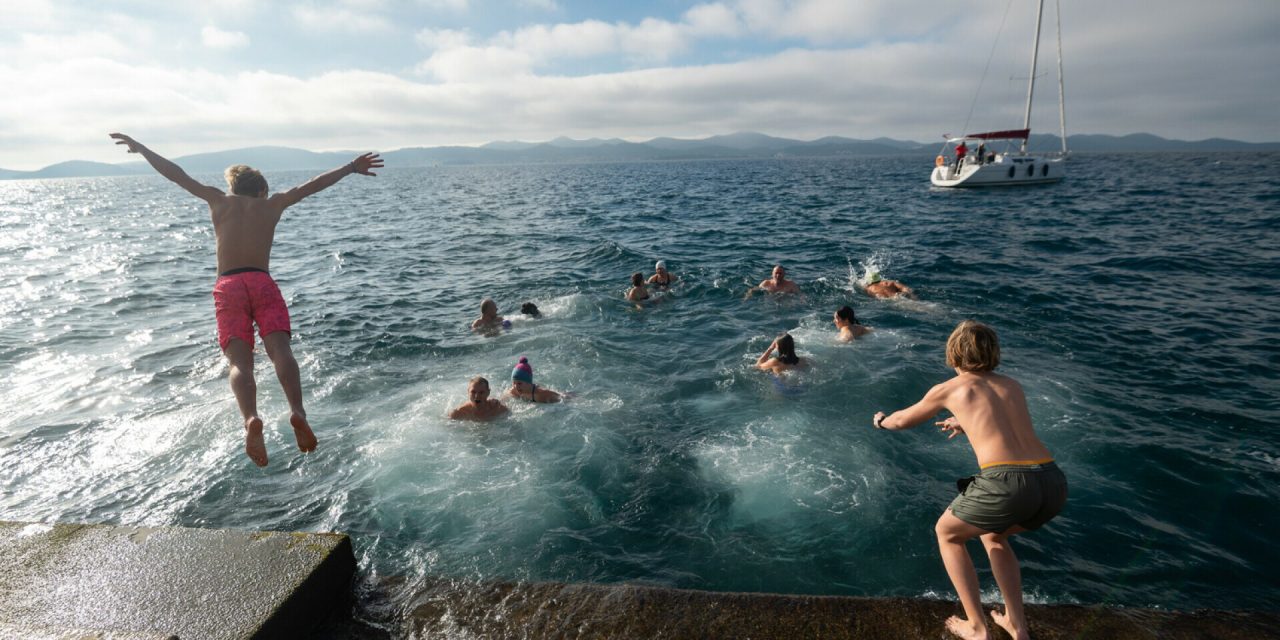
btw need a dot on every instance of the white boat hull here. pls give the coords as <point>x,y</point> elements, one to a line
<point>1005,171</point>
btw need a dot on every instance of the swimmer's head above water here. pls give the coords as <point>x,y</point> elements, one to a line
<point>478,390</point>
<point>787,349</point>
<point>845,315</point>
<point>523,371</point>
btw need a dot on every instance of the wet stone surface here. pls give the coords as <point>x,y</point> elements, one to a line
<point>140,582</point>
<point>555,610</point>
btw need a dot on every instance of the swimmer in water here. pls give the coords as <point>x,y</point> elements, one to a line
<point>522,385</point>
<point>244,227</point>
<point>786,358</point>
<point>848,324</point>
<point>661,278</point>
<point>1018,487</point>
<point>478,407</point>
<point>880,288</point>
<point>530,309</point>
<point>777,283</point>
<point>638,293</point>
<point>489,322</point>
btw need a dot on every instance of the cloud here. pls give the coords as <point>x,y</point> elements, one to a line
<point>216,38</point>
<point>448,5</point>
<point>1191,73</point>
<point>545,5</point>
<point>713,20</point>
<point>469,64</point>
<point>442,38</point>
<point>334,18</point>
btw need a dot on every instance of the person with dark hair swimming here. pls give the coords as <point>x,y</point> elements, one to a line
<point>786,358</point>
<point>522,385</point>
<point>847,323</point>
<point>638,293</point>
<point>1018,487</point>
<point>479,406</point>
<point>530,309</point>
<point>244,227</point>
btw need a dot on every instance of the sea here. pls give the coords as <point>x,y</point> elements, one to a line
<point>1137,302</point>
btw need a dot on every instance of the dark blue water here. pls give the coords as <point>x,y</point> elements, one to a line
<point>1137,302</point>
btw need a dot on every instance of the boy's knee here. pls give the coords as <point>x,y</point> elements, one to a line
<point>994,541</point>
<point>946,533</point>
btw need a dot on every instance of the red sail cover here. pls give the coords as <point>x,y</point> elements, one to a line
<point>1001,135</point>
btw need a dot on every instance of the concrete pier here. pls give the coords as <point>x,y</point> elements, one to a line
<point>135,583</point>
<point>97,582</point>
<point>585,611</point>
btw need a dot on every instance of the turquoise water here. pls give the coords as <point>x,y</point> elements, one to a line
<point>1137,303</point>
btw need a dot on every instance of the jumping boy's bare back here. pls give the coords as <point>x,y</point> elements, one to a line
<point>244,223</point>
<point>1018,488</point>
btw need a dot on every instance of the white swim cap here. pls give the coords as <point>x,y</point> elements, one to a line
<point>661,266</point>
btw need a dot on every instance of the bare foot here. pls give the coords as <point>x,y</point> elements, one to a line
<point>968,630</point>
<point>302,430</point>
<point>253,444</point>
<point>1007,624</point>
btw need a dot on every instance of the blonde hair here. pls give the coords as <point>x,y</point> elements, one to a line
<point>973,347</point>
<point>245,180</point>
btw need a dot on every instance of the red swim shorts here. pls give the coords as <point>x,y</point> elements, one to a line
<point>244,298</point>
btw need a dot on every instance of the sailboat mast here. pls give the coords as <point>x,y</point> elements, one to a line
<point>1062,92</point>
<point>1031,84</point>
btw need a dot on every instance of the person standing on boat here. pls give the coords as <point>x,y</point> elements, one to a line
<point>1018,487</point>
<point>961,152</point>
<point>982,152</point>
<point>244,228</point>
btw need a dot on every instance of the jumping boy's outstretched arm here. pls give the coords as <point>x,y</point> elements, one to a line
<point>928,406</point>
<point>361,165</point>
<point>170,170</point>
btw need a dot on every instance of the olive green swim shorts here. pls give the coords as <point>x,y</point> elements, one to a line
<point>1004,495</point>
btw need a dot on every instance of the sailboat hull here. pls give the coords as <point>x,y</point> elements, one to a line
<point>1006,171</point>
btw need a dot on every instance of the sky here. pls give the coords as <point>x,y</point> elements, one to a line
<point>191,77</point>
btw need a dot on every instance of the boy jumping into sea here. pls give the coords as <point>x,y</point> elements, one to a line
<point>1018,489</point>
<point>244,223</point>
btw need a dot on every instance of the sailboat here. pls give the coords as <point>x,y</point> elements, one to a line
<point>980,168</point>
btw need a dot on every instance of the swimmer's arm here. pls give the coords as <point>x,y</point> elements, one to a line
<point>460,413</point>
<point>168,169</point>
<point>928,406</point>
<point>547,395</point>
<point>361,165</point>
<point>762,361</point>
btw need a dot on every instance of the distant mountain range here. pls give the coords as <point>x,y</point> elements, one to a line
<point>566,150</point>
